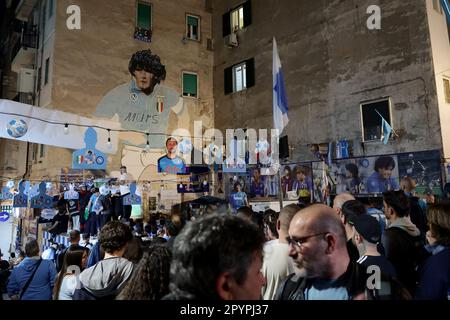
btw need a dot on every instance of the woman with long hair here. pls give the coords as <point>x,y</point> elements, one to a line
<point>150,281</point>
<point>74,262</point>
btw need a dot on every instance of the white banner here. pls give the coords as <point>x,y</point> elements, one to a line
<point>20,122</point>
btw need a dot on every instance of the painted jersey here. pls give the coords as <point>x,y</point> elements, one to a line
<point>138,111</point>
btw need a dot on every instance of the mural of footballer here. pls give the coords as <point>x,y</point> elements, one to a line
<point>143,104</point>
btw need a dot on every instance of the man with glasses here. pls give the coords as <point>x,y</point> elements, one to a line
<point>317,245</point>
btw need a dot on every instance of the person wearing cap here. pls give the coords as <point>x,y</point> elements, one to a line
<point>366,237</point>
<point>351,209</point>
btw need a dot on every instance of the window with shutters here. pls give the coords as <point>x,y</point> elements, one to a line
<point>190,84</point>
<point>239,76</point>
<point>143,30</point>
<point>237,18</point>
<point>447,90</point>
<point>192,27</point>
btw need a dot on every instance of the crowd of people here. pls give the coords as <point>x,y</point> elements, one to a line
<point>393,248</point>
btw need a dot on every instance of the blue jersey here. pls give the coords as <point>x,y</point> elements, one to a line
<point>238,199</point>
<point>175,165</point>
<point>378,184</point>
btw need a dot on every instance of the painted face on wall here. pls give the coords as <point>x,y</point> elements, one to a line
<point>171,146</point>
<point>144,79</point>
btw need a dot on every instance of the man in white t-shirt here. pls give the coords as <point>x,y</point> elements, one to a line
<point>277,264</point>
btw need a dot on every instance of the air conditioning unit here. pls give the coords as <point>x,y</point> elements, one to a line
<point>231,40</point>
<point>25,80</point>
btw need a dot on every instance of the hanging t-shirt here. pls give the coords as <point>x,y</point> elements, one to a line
<point>73,207</point>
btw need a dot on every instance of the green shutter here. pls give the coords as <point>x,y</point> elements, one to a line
<point>192,21</point>
<point>144,16</point>
<point>190,84</point>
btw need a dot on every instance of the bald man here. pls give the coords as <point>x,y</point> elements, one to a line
<point>339,201</point>
<point>317,245</point>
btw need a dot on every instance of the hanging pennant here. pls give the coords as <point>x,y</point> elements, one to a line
<point>132,198</point>
<point>89,157</point>
<point>20,200</point>
<point>5,194</point>
<point>42,200</point>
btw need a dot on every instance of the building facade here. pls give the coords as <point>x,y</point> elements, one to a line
<point>337,72</point>
<point>74,67</point>
<point>218,54</point>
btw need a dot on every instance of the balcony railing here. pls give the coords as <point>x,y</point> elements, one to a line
<point>143,34</point>
<point>27,40</point>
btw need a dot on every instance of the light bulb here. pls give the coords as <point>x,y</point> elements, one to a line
<point>147,146</point>
<point>109,145</point>
<point>66,128</point>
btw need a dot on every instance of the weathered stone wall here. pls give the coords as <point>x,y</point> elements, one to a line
<point>331,63</point>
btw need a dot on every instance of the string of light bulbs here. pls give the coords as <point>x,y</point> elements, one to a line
<point>109,130</point>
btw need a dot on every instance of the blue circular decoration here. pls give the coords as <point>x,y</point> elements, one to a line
<point>100,160</point>
<point>16,128</point>
<point>185,146</point>
<point>364,163</point>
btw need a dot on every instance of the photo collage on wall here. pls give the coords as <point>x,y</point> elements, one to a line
<point>362,175</point>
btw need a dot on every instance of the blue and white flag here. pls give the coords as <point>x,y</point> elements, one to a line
<point>280,106</point>
<point>446,7</point>
<point>386,130</point>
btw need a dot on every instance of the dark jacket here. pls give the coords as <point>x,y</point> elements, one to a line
<point>104,280</point>
<point>402,244</point>
<point>105,201</point>
<point>435,276</point>
<point>41,286</point>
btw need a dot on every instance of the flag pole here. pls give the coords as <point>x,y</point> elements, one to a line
<point>393,130</point>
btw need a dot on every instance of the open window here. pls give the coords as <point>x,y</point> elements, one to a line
<point>371,113</point>
<point>239,76</point>
<point>192,27</point>
<point>143,29</point>
<point>237,18</point>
